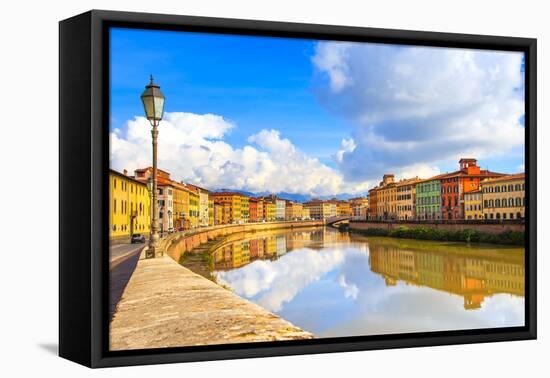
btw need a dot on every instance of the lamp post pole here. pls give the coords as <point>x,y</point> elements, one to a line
<point>153,240</point>
<point>153,103</point>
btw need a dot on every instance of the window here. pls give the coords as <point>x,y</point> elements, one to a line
<point>497,202</point>
<point>511,215</point>
<point>510,202</point>
<point>518,202</point>
<point>114,185</point>
<point>114,206</point>
<point>503,188</point>
<point>510,188</point>
<point>503,215</point>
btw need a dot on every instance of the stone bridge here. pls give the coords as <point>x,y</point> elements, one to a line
<point>335,221</point>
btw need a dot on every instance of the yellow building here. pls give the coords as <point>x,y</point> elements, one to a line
<point>405,191</point>
<point>359,206</point>
<point>504,197</point>
<point>237,209</point>
<point>222,213</point>
<point>320,209</point>
<point>180,206</point>
<point>383,199</point>
<point>245,209</point>
<point>194,199</point>
<point>130,206</point>
<point>210,211</point>
<point>305,213</point>
<point>473,205</point>
<point>343,209</point>
<point>270,211</point>
<point>293,210</point>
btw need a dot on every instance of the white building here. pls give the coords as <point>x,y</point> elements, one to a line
<point>166,208</point>
<point>280,206</point>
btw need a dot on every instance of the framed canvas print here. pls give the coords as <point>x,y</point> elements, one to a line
<point>234,188</point>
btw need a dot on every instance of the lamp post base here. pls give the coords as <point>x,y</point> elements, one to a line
<point>150,252</point>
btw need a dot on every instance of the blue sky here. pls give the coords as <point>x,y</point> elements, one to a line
<point>256,83</point>
<point>312,117</point>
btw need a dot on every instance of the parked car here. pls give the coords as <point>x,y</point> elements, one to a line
<point>138,238</point>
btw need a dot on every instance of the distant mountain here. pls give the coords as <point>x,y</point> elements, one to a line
<point>296,197</point>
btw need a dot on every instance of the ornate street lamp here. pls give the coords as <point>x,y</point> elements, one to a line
<point>153,103</point>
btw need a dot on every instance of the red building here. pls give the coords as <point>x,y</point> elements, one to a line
<point>256,206</point>
<point>455,184</point>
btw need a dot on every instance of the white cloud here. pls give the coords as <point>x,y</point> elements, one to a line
<point>415,107</point>
<point>278,282</point>
<point>192,148</point>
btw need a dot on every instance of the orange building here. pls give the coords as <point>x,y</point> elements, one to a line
<point>455,184</point>
<point>256,209</point>
<point>383,199</point>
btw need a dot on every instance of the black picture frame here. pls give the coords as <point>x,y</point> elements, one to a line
<point>83,194</point>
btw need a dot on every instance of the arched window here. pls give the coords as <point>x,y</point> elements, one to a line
<point>497,202</point>
<point>491,203</point>
<point>510,187</point>
<point>497,189</point>
<point>498,215</point>
<point>518,187</point>
<point>518,202</point>
<point>510,202</point>
<point>503,189</point>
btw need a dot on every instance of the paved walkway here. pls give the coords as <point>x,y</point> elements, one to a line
<point>167,305</point>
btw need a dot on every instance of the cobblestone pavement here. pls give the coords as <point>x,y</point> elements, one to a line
<point>167,305</point>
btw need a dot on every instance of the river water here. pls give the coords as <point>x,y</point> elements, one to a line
<point>337,284</point>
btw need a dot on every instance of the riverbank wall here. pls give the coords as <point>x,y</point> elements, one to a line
<point>486,228</point>
<point>166,305</point>
<point>175,245</point>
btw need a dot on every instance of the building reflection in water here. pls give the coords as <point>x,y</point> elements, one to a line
<point>474,276</point>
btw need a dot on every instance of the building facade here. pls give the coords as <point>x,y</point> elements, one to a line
<point>293,211</point>
<point>383,199</point>
<point>270,210</point>
<point>319,209</point>
<point>405,193</point>
<point>234,207</point>
<point>202,205</point>
<point>130,206</point>
<point>280,209</point>
<point>454,185</point>
<point>166,208</point>
<point>504,197</point>
<point>343,208</point>
<point>359,206</point>
<point>473,205</point>
<point>428,199</point>
<point>181,207</point>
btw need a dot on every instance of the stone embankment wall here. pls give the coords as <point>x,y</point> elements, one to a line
<point>489,228</point>
<point>166,305</point>
<point>177,244</point>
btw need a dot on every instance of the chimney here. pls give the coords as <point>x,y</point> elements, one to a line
<point>125,172</point>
